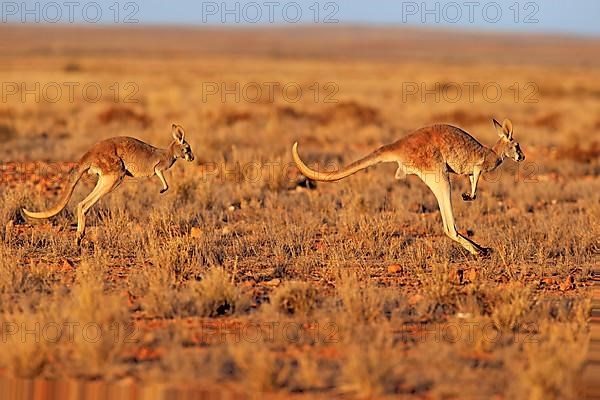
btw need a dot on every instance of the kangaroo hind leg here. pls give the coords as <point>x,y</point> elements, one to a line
<point>439,183</point>
<point>105,185</point>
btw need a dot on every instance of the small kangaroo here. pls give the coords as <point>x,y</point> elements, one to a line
<point>113,159</point>
<point>432,153</point>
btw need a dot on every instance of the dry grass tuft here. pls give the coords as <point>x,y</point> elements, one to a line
<point>101,321</point>
<point>23,352</point>
<point>295,298</point>
<point>361,302</point>
<point>512,305</point>
<point>553,363</point>
<point>216,295</point>
<point>373,365</point>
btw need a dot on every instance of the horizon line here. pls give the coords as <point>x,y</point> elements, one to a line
<point>280,25</point>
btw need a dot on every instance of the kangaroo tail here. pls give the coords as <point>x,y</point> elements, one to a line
<point>380,155</point>
<point>74,177</point>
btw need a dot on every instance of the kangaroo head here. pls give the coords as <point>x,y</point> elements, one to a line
<point>507,146</point>
<point>180,148</point>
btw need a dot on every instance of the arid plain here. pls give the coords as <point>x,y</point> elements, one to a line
<point>245,278</point>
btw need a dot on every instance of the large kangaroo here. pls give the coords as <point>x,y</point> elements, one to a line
<point>432,153</point>
<point>113,159</point>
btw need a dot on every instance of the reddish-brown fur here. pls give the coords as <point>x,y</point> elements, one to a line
<point>114,155</point>
<point>428,147</point>
<point>432,153</point>
<point>112,160</point>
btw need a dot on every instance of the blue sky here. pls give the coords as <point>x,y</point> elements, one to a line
<point>555,16</point>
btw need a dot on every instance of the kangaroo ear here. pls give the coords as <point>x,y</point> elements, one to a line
<point>507,128</point>
<point>178,133</point>
<point>500,129</point>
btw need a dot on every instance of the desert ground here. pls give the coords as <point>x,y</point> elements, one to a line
<point>246,279</point>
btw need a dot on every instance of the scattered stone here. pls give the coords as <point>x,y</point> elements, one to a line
<point>419,208</point>
<point>464,315</point>
<point>319,245</point>
<point>471,274</point>
<point>147,354</point>
<point>462,275</point>
<point>415,298</point>
<point>548,281</point>
<point>196,232</point>
<point>568,284</point>
<point>272,283</point>
<point>394,269</point>
<point>466,232</point>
